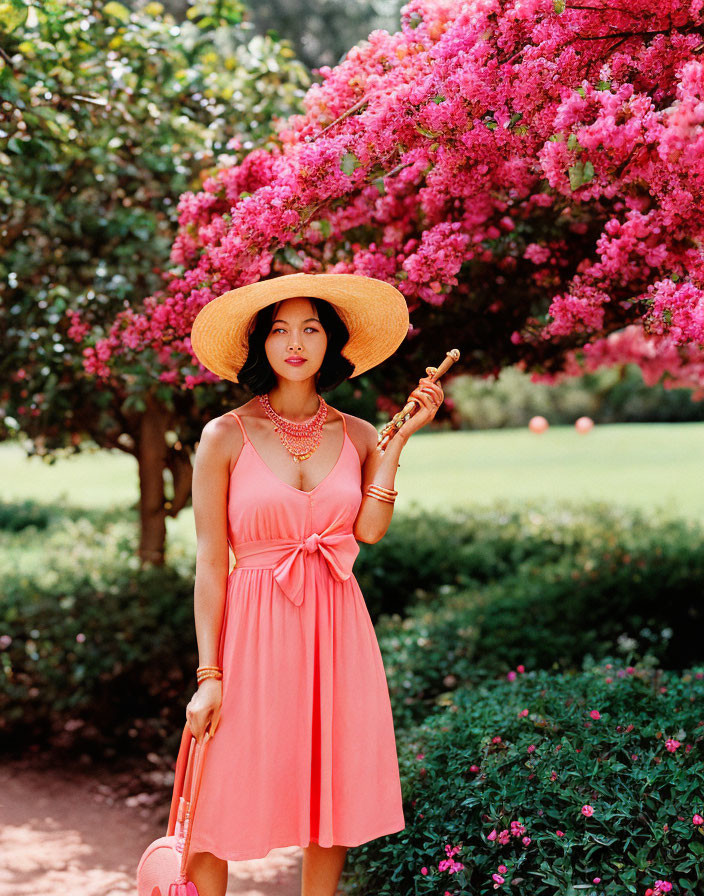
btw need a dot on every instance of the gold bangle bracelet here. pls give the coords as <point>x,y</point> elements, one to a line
<point>370,493</point>
<point>383,488</point>
<point>216,675</point>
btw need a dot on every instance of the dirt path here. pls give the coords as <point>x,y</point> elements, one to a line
<point>64,832</point>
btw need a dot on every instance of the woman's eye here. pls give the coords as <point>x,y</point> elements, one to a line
<point>281,329</point>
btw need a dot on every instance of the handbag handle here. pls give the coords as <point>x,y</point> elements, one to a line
<point>189,768</point>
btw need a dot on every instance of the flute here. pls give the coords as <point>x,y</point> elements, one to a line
<point>412,405</point>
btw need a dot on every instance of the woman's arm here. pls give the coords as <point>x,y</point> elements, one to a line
<point>380,468</point>
<point>209,490</point>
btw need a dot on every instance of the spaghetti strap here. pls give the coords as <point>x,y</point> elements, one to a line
<point>344,424</point>
<point>237,418</point>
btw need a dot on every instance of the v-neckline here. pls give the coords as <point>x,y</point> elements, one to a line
<point>301,491</point>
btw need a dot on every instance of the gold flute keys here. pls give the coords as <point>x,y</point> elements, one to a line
<point>412,405</point>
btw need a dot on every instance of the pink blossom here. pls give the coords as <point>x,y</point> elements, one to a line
<point>587,810</point>
<point>697,819</point>
<point>671,744</point>
<point>595,714</point>
<point>472,156</point>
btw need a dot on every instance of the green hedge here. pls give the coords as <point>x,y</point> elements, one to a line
<point>587,588</point>
<point>470,770</point>
<point>481,593</point>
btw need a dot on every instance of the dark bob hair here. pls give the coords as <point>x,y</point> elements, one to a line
<point>256,372</point>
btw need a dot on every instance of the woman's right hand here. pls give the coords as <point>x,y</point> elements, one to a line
<point>204,707</point>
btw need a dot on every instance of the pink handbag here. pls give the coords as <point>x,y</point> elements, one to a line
<point>162,868</point>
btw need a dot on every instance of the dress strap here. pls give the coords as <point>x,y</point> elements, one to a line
<point>344,424</point>
<point>237,418</point>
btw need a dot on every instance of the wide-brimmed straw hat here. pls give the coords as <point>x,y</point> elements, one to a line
<point>374,312</point>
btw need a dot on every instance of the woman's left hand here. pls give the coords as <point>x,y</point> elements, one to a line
<point>431,396</point>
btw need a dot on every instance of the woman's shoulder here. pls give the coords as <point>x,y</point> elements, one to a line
<point>362,433</point>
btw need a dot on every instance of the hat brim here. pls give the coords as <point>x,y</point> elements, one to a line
<point>374,312</point>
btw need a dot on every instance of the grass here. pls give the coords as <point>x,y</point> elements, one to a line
<point>656,467</point>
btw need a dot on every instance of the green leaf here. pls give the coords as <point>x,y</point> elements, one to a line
<point>117,10</point>
<point>349,162</point>
<point>12,16</point>
<point>292,257</point>
<point>558,6</point>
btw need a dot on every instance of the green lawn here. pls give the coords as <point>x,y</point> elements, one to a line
<point>655,466</point>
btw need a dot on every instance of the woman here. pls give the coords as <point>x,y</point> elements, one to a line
<point>291,679</point>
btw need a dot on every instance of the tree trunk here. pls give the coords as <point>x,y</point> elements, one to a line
<point>151,456</point>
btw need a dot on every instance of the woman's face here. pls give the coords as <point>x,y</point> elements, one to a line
<point>296,332</point>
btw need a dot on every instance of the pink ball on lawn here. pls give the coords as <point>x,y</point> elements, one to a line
<point>584,424</point>
<point>538,424</point>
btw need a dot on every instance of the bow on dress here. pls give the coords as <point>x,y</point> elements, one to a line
<point>288,557</point>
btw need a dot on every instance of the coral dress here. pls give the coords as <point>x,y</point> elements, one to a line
<point>305,748</point>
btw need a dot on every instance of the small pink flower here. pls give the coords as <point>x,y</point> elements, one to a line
<point>523,712</point>
<point>553,776</point>
<point>511,675</point>
<point>608,680</point>
<point>423,870</point>
<point>504,837</point>
<point>496,740</point>
<point>80,637</point>
<point>560,833</point>
<point>497,877</point>
<point>596,880</point>
<point>697,819</point>
<point>521,668</point>
<point>672,744</point>
<point>595,714</point>
<point>525,841</point>
<point>531,748</point>
<point>420,755</point>
<point>474,768</point>
<point>502,869</point>
<point>664,886</point>
<point>587,810</point>
<point>492,835</point>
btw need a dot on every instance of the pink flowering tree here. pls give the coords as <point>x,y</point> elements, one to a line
<point>528,173</point>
